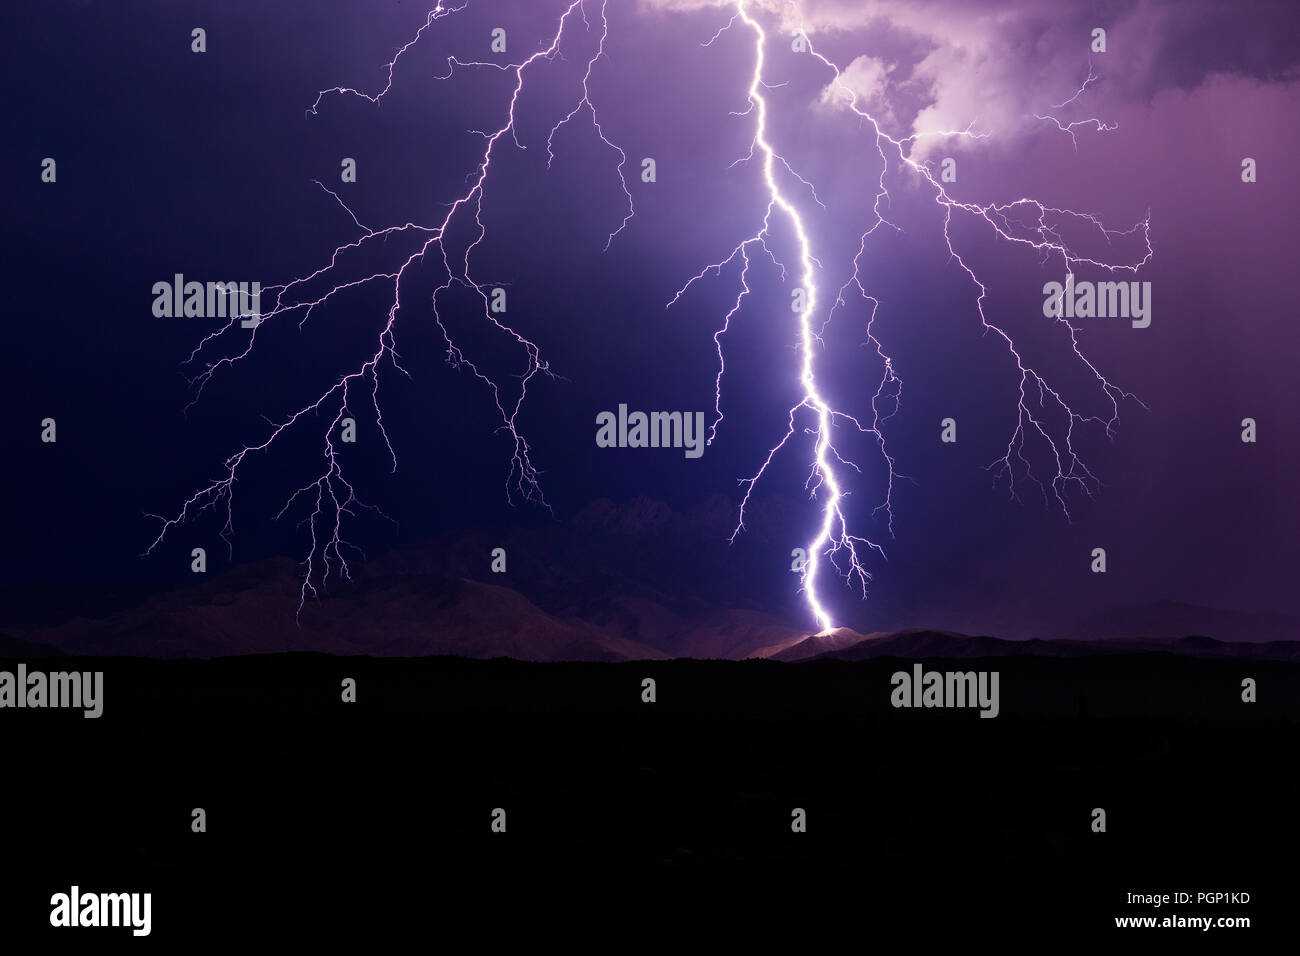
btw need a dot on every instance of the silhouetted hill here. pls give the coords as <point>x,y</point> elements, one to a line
<point>254,610</point>
<point>616,581</point>
<point>846,645</point>
<point>1173,617</point>
<point>16,647</point>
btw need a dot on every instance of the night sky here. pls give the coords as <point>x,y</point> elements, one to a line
<point>171,162</point>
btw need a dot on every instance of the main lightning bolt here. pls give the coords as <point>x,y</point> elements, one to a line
<point>832,537</point>
<point>1025,222</point>
<point>331,495</point>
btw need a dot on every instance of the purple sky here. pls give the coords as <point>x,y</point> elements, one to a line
<point>1187,511</point>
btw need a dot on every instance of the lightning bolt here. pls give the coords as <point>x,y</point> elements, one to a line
<point>1025,222</point>
<point>833,539</point>
<point>330,495</point>
<point>1094,122</point>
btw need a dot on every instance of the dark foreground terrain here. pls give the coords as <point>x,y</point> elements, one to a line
<point>374,817</point>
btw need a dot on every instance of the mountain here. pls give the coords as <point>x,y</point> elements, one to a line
<point>806,647</point>
<point>16,647</point>
<point>847,645</point>
<point>255,611</point>
<point>616,581</point>
<point>1175,617</point>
